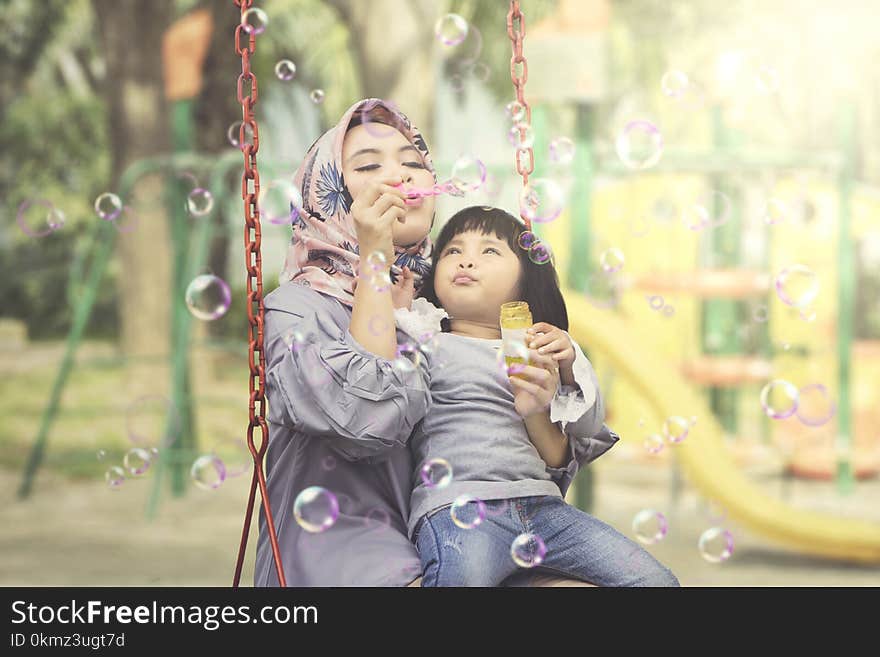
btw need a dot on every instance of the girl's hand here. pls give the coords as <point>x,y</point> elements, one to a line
<point>374,211</point>
<point>554,342</point>
<point>403,291</point>
<point>535,387</point>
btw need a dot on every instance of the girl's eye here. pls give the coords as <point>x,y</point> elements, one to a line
<point>492,248</point>
<point>368,167</point>
<point>450,250</point>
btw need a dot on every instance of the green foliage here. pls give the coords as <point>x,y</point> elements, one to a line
<point>61,156</point>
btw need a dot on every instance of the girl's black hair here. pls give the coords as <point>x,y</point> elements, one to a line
<point>538,284</point>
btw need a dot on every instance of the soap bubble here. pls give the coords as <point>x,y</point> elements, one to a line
<point>468,173</point>
<point>612,260</point>
<point>521,136</point>
<point>481,71</point>
<point>515,111</point>
<point>436,473</point>
<point>526,239</point>
<point>377,519</point>
<point>236,455</point>
<point>315,509</point>
<point>35,217</point>
<point>513,356</point>
<point>208,472</point>
<point>101,454</point>
<point>317,96</point>
<point>467,511</point>
<point>541,200</point>
<point>676,429</point>
<point>254,21</point>
<point>199,202</point>
<point>208,297</point>
<point>407,357</point>
<point>381,281</point>
<point>108,206</point>
<point>137,461</point>
<point>655,301</point>
<point>115,477</point>
<point>674,83</point>
<point>716,545</point>
<point>649,526</point>
<point>149,418</point>
<point>654,443</point>
<point>233,134</point>
<point>668,310</point>
<point>540,253</point>
<point>279,201</point>
<point>55,218</point>
<point>775,211</point>
<point>639,145</point>
<point>779,399</point>
<point>815,406</point>
<point>797,286</point>
<point>528,550</point>
<point>767,80</point>
<point>562,150</point>
<point>451,29</point>
<point>696,217</point>
<point>760,314</point>
<point>285,70</point>
<point>328,462</point>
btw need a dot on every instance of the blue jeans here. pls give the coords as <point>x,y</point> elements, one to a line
<point>578,545</point>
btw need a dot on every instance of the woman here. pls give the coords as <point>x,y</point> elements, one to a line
<point>340,413</point>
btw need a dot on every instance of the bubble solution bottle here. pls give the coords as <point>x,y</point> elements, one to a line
<point>515,319</point>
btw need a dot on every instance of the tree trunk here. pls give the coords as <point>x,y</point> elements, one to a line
<point>131,32</point>
<point>392,42</point>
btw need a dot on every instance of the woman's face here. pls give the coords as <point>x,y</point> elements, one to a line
<point>475,274</point>
<point>377,150</point>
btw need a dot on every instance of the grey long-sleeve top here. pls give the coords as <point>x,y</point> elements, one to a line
<point>473,425</point>
<point>341,417</point>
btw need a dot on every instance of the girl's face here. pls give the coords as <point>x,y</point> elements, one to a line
<point>475,274</point>
<point>377,150</point>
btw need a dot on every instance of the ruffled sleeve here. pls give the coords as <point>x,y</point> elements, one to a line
<point>322,382</point>
<point>423,318</point>
<point>580,412</point>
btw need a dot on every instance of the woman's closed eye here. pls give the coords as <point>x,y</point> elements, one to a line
<point>371,167</point>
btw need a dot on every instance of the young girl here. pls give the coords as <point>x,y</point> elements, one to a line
<point>495,429</point>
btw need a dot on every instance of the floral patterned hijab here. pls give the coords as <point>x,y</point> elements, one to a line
<point>323,252</point>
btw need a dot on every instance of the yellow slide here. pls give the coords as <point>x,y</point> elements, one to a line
<point>704,457</point>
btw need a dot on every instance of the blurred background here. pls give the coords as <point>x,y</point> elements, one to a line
<point>707,180</point>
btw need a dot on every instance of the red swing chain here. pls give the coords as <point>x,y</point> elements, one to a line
<point>250,191</point>
<point>253,262</point>
<point>514,15</point>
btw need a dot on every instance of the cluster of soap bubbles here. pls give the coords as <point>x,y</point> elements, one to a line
<point>650,527</point>
<point>812,404</point>
<point>463,43</point>
<point>539,252</point>
<point>135,463</point>
<point>658,303</point>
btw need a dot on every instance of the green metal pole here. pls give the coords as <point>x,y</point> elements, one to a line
<point>846,301</point>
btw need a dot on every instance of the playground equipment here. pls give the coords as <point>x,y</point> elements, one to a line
<point>704,456</point>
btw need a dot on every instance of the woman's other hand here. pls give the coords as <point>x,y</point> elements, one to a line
<point>403,291</point>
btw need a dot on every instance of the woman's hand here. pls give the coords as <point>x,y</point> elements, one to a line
<point>535,387</point>
<point>403,291</point>
<point>374,211</point>
<point>554,342</point>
